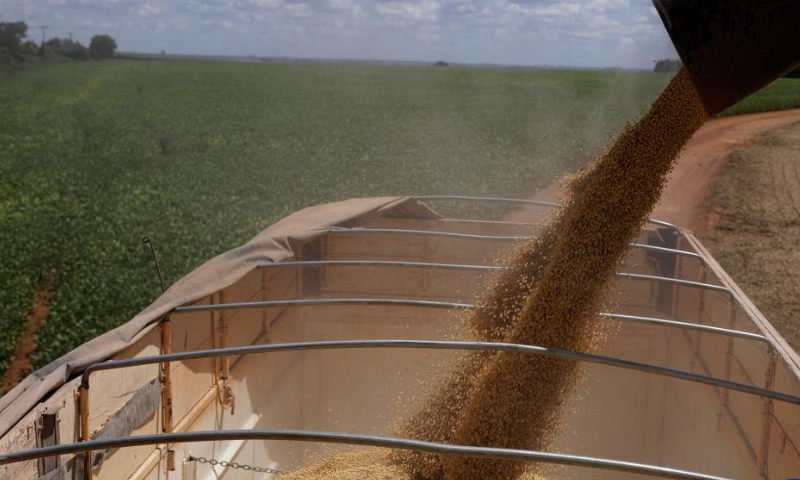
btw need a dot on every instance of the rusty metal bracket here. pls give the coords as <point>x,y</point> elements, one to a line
<point>766,416</point>
<point>165,377</point>
<point>85,434</point>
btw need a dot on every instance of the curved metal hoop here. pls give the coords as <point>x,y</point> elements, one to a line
<point>362,440</point>
<point>441,345</point>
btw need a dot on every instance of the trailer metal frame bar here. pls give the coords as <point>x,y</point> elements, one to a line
<point>467,198</point>
<point>379,263</point>
<point>310,302</point>
<point>432,233</point>
<point>456,266</point>
<point>501,238</point>
<point>438,345</point>
<point>688,326</point>
<point>678,281</point>
<point>363,440</point>
<point>411,263</point>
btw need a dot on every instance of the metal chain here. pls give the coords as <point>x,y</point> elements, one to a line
<point>226,464</point>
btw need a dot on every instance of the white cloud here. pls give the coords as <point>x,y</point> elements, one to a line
<point>423,10</point>
<point>300,10</point>
<point>266,4</point>
<point>340,4</point>
<point>149,9</point>
<point>563,10</point>
<point>93,2</point>
<point>606,6</point>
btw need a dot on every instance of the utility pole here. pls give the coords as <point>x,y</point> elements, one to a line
<point>43,27</point>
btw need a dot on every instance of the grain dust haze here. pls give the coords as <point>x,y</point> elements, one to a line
<point>549,298</point>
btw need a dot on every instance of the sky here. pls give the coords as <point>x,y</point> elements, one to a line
<point>577,33</point>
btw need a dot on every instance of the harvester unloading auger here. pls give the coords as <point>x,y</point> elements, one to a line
<point>696,380</point>
<point>732,48</point>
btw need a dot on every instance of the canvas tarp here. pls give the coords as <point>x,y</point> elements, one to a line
<point>278,242</point>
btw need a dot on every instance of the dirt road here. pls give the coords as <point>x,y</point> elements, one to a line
<point>755,220</point>
<point>685,200</point>
<point>689,187</point>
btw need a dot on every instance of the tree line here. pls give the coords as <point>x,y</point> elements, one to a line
<point>668,65</point>
<point>15,45</point>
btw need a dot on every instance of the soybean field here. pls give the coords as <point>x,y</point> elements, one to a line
<point>202,155</point>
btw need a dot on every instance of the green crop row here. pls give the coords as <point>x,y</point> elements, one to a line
<point>784,94</point>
